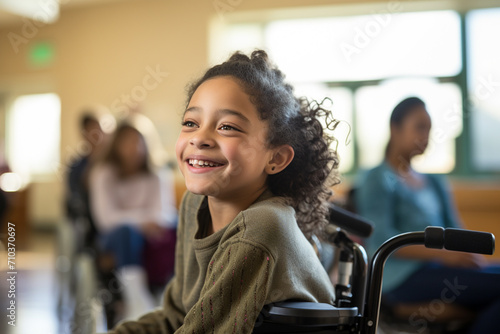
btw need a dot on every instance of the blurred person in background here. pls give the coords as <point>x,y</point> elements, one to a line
<point>133,204</point>
<point>399,199</point>
<point>77,198</point>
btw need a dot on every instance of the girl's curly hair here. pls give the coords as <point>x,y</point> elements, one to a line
<point>297,122</point>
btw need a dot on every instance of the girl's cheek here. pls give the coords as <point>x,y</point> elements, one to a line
<point>179,146</point>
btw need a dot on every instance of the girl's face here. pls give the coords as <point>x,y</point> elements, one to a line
<point>412,136</point>
<point>222,149</point>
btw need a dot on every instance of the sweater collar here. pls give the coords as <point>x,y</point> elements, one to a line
<point>203,217</point>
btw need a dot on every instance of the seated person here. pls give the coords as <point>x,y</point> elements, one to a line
<point>77,199</point>
<point>398,199</point>
<point>257,168</point>
<point>132,204</point>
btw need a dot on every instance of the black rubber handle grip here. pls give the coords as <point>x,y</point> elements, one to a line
<point>350,222</point>
<point>460,240</point>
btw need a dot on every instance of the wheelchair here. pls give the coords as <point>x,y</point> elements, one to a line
<point>359,285</point>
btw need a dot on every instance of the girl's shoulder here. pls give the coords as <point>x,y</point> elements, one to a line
<point>269,221</point>
<point>272,208</point>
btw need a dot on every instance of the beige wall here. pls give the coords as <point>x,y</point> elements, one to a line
<point>103,51</point>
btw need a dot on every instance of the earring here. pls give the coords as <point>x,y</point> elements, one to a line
<point>273,168</point>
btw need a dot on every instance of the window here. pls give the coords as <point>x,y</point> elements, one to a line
<point>366,64</point>
<point>33,135</point>
<point>375,104</point>
<point>367,47</point>
<point>484,87</point>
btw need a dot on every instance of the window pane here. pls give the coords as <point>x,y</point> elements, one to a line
<point>242,37</point>
<point>33,134</point>
<point>374,105</point>
<point>341,106</point>
<point>484,87</point>
<point>367,47</point>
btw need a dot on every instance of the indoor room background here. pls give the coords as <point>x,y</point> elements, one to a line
<point>139,55</point>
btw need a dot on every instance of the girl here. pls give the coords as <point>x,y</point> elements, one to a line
<point>258,168</point>
<point>132,204</point>
<point>398,199</point>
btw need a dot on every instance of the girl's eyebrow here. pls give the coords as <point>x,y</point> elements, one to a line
<point>191,109</point>
<point>222,112</point>
<point>234,113</point>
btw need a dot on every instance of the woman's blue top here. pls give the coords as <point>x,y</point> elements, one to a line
<point>383,197</point>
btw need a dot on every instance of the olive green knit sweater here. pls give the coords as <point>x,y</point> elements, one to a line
<point>222,281</point>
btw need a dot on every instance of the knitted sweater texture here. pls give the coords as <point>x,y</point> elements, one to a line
<point>223,280</point>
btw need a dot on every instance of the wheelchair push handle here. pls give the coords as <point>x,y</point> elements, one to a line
<point>433,237</point>
<point>350,222</point>
<point>459,240</point>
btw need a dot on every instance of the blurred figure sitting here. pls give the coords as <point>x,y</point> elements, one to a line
<point>398,199</point>
<point>133,205</point>
<point>77,199</point>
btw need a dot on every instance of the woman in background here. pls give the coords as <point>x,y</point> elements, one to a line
<point>132,204</point>
<point>398,199</point>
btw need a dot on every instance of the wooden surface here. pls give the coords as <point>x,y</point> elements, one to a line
<point>479,209</point>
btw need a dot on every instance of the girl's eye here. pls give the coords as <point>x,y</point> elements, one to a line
<point>188,124</point>
<point>226,127</point>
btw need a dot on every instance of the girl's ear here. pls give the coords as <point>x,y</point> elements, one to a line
<point>281,158</point>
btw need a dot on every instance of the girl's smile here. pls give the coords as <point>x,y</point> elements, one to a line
<point>202,164</point>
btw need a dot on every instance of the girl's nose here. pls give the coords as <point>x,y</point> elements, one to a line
<point>202,140</point>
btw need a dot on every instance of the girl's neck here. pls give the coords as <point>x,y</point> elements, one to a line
<point>223,211</point>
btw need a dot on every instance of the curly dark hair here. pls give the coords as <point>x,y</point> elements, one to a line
<point>297,122</point>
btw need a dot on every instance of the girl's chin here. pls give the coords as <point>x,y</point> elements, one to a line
<point>209,190</point>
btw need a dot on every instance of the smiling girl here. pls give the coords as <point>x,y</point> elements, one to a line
<point>258,169</point>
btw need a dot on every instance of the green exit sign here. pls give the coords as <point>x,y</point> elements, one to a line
<point>41,54</point>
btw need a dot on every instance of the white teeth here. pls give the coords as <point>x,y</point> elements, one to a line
<point>202,163</point>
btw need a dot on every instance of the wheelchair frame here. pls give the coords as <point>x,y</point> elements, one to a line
<point>359,287</point>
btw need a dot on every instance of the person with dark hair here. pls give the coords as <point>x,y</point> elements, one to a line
<point>258,169</point>
<point>398,199</point>
<point>77,197</point>
<point>132,204</point>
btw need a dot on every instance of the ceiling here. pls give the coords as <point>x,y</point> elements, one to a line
<point>10,13</point>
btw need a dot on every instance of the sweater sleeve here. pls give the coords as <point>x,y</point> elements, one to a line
<point>234,292</point>
<point>161,321</point>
